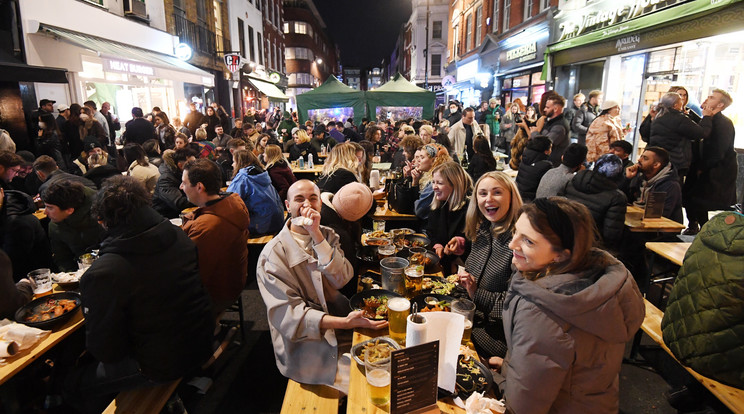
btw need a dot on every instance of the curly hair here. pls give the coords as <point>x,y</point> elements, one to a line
<point>120,196</point>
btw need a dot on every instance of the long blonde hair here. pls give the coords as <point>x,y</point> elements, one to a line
<point>302,137</point>
<point>342,156</point>
<point>459,180</point>
<point>272,155</point>
<point>474,218</point>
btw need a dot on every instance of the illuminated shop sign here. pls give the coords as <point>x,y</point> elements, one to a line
<point>132,68</point>
<point>605,14</point>
<point>523,53</point>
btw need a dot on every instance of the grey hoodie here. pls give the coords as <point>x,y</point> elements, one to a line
<point>566,335</point>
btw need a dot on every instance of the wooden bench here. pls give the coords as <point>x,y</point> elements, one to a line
<point>732,397</point>
<point>304,398</point>
<point>145,400</point>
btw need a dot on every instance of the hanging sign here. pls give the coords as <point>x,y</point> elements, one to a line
<point>232,61</point>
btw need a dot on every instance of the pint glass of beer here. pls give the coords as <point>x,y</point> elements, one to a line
<point>398,310</point>
<point>377,372</point>
<point>465,308</point>
<point>414,276</point>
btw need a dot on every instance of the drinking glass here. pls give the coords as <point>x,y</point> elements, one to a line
<point>386,250</point>
<point>87,259</point>
<point>378,225</point>
<point>43,280</point>
<point>414,276</point>
<point>378,378</point>
<point>465,308</point>
<point>417,255</point>
<point>398,310</point>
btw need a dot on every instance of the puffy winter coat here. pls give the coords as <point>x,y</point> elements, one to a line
<point>263,202</point>
<point>603,199</point>
<point>533,166</point>
<point>703,323</point>
<point>566,335</point>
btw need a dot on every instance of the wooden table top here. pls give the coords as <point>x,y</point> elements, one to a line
<point>635,223</point>
<point>358,400</point>
<point>260,239</point>
<point>674,252</point>
<point>39,214</point>
<point>21,360</point>
<point>315,170</point>
<point>384,213</point>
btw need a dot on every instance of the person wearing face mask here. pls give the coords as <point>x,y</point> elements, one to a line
<point>299,275</point>
<point>489,223</point>
<point>569,312</point>
<point>454,114</point>
<point>451,186</point>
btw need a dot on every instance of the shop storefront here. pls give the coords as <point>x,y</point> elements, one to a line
<point>469,82</point>
<point>126,76</point>
<point>634,52</point>
<point>261,90</point>
<point>517,60</point>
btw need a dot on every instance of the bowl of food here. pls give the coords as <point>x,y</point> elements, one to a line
<point>439,285</point>
<point>412,240</point>
<point>472,376</point>
<point>431,302</point>
<point>382,347</point>
<point>68,280</point>
<point>49,311</point>
<point>372,303</point>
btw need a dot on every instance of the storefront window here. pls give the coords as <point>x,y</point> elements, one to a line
<point>521,81</point>
<point>536,79</point>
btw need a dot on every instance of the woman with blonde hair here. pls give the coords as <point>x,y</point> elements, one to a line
<point>451,187</point>
<point>489,222</point>
<point>341,167</point>
<point>253,184</point>
<point>426,132</point>
<point>279,170</point>
<point>302,147</point>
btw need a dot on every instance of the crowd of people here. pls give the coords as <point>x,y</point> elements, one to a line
<point>542,256</point>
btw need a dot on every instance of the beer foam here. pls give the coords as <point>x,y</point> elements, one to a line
<point>398,304</point>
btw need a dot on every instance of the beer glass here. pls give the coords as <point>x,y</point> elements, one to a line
<point>398,310</point>
<point>43,280</point>
<point>378,378</point>
<point>465,308</point>
<point>414,276</point>
<point>386,250</point>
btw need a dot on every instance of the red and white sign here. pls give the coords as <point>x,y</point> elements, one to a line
<point>232,61</point>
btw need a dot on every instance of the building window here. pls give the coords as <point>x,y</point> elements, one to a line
<point>496,16</point>
<point>300,27</point>
<point>286,27</point>
<point>468,31</point>
<point>178,8</point>
<point>456,41</point>
<point>298,53</point>
<point>217,9</point>
<point>277,15</point>
<point>436,29</point>
<point>241,37</point>
<point>507,11</point>
<point>478,23</point>
<point>260,49</point>
<point>544,4</point>
<point>436,65</point>
<point>300,79</point>
<point>251,44</point>
<point>258,4</point>
<point>528,4</point>
<point>201,11</point>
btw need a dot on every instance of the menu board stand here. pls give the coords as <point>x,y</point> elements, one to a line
<point>413,383</point>
<point>654,208</point>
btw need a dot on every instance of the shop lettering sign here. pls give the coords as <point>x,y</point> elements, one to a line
<point>627,43</point>
<point>131,68</point>
<point>523,53</point>
<point>605,14</point>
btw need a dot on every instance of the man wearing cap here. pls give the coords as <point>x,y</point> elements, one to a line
<point>604,130</point>
<point>321,138</point>
<point>63,115</point>
<point>299,274</point>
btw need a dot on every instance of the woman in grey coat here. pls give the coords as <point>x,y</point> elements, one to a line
<point>568,314</point>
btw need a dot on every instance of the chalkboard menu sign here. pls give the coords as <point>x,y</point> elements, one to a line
<point>413,385</point>
<point>654,206</point>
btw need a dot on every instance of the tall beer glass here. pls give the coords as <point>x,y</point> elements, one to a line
<point>398,310</point>
<point>378,378</point>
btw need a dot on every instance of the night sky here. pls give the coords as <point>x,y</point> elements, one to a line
<point>364,30</point>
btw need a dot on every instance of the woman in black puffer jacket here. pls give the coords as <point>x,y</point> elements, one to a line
<point>672,130</point>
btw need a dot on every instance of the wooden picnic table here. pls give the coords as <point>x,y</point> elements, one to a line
<point>635,223</point>
<point>24,358</point>
<point>316,170</point>
<point>358,400</point>
<point>39,214</point>
<point>385,213</point>
<point>674,252</point>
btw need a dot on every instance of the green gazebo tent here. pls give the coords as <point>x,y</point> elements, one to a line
<point>400,92</point>
<point>331,94</point>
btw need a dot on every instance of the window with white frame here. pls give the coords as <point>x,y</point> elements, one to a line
<point>528,4</point>
<point>478,23</point>
<point>468,32</point>
<point>285,27</point>
<point>507,11</point>
<point>495,27</point>
<point>436,29</point>
<point>436,65</point>
<point>544,4</point>
<point>300,27</point>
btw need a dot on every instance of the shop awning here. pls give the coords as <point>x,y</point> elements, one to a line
<point>269,89</point>
<point>118,50</point>
<point>13,70</point>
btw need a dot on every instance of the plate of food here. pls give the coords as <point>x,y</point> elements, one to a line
<point>382,347</point>
<point>429,259</point>
<point>368,254</point>
<point>412,240</point>
<point>472,376</point>
<point>68,279</point>
<point>439,285</point>
<point>372,303</point>
<point>49,311</point>
<point>430,302</point>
